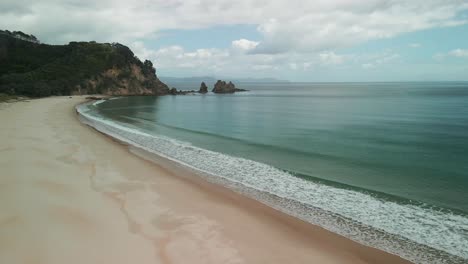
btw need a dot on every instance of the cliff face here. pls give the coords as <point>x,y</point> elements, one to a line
<point>122,81</point>
<point>33,69</point>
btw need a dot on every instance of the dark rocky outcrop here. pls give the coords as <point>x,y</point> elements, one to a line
<point>203,88</point>
<point>33,69</point>
<point>241,90</point>
<point>223,87</point>
<point>174,91</point>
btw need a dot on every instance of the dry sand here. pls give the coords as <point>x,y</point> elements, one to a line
<point>69,194</point>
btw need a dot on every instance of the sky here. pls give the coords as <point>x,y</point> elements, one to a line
<point>297,40</point>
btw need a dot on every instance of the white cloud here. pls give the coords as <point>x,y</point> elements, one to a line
<point>331,58</point>
<point>244,44</point>
<point>292,37</point>
<point>293,66</point>
<point>458,53</point>
<point>334,24</point>
<point>371,61</point>
<point>386,65</point>
<point>140,50</point>
<point>310,26</point>
<point>177,57</point>
<point>230,62</point>
<point>306,65</point>
<point>461,53</point>
<point>439,56</point>
<point>387,58</point>
<point>263,67</point>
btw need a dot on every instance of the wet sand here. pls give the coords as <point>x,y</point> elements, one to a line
<point>69,194</point>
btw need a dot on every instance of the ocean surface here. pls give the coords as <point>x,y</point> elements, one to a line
<point>385,164</point>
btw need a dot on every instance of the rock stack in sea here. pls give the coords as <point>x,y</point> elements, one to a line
<point>203,88</point>
<point>174,91</point>
<point>223,87</point>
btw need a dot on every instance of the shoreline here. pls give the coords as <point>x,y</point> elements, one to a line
<point>154,212</point>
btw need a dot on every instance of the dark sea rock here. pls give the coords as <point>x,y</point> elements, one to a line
<point>241,90</point>
<point>223,87</point>
<point>203,88</point>
<point>174,91</point>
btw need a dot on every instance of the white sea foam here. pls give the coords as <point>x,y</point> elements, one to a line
<point>415,232</point>
<point>98,102</point>
<point>102,100</point>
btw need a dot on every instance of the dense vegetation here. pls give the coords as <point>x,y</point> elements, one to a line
<point>33,69</point>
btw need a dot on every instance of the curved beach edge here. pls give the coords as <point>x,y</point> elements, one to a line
<point>65,186</point>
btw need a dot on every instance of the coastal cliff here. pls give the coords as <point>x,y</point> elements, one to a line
<point>33,69</point>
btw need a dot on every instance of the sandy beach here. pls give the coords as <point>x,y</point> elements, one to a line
<point>69,194</point>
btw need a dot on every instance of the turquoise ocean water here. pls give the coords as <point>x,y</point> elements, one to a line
<point>385,164</point>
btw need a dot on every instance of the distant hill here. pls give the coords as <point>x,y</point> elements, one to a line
<point>30,68</point>
<point>260,80</point>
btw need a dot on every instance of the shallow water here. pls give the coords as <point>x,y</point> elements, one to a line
<point>383,163</point>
